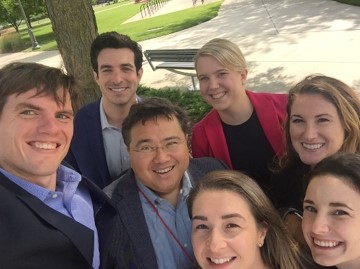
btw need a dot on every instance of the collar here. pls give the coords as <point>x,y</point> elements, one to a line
<point>64,177</point>
<point>103,119</point>
<point>184,191</point>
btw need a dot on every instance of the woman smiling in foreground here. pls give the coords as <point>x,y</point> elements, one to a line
<point>234,225</point>
<point>331,223</point>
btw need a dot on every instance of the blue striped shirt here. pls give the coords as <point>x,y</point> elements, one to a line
<point>168,252</point>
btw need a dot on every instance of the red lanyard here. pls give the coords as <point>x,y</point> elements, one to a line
<point>165,225</point>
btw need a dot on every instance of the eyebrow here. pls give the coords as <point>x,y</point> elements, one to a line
<point>27,105</point>
<point>35,107</point>
<point>199,218</point>
<point>332,204</point>
<point>339,204</point>
<point>233,215</point>
<point>215,72</point>
<point>122,65</point>
<point>316,116</point>
<point>146,140</point>
<point>227,216</point>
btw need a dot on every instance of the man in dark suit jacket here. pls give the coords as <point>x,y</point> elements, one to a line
<point>51,217</point>
<point>97,150</point>
<point>151,196</point>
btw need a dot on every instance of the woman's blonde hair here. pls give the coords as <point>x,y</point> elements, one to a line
<point>225,52</point>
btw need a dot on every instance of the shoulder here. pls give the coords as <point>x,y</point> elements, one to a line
<point>88,109</point>
<point>118,186</point>
<point>207,163</point>
<point>279,97</point>
<point>210,118</point>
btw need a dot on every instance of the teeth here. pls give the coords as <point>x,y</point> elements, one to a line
<point>163,171</point>
<point>220,261</point>
<point>118,89</point>
<point>312,146</point>
<point>328,244</point>
<point>45,145</point>
<point>218,95</point>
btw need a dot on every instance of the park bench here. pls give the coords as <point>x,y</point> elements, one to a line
<point>179,61</point>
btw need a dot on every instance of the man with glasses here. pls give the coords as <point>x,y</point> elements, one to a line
<point>151,196</point>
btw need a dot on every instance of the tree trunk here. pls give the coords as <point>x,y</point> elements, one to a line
<point>74,27</point>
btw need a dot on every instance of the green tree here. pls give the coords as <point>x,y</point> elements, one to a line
<point>33,8</point>
<point>10,11</point>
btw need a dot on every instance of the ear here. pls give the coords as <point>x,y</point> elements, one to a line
<point>262,231</point>
<point>96,77</point>
<point>139,74</point>
<point>244,74</point>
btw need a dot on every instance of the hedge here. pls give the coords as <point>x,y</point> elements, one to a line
<point>191,101</point>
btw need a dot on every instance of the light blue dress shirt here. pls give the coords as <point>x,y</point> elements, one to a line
<point>69,198</point>
<point>116,153</point>
<point>168,252</point>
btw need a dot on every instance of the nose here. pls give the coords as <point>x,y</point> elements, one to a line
<point>310,132</point>
<point>161,155</point>
<point>320,225</point>
<point>47,125</point>
<point>216,241</point>
<point>117,76</point>
<point>214,84</point>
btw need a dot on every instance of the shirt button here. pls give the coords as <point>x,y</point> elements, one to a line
<point>185,245</point>
<point>54,195</point>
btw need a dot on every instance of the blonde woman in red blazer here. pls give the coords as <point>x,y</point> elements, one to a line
<point>244,129</point>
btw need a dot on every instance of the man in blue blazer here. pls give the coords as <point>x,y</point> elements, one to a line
<point>151,196</point>
<point>51,217</point>
<point>97,150</point>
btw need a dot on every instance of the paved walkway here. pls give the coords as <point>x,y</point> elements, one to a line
<point>283,41</point>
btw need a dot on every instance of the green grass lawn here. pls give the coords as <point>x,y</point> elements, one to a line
<point>112,18</point>
<point>350,2</point>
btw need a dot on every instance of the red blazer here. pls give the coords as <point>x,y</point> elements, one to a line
<point>208,139</point>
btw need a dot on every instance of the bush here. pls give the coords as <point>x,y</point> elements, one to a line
<point>191,101</point>
<point>11,42</point>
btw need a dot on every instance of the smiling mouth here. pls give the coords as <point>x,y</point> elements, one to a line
<point>165,170</point>
<point>42,145</point>
<point>221,260</point>
<point>121,89</point>
<point>326,243</point>
<point>313,146</point>
<point>217,95</point>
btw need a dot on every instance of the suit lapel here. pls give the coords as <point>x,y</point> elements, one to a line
<point>215,135</point>
<point>94,131</point>
<point>128,202</point>
<point>269,120</point>
<point>81,236</point>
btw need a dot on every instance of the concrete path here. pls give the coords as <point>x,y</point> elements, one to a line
<point>282,40</point>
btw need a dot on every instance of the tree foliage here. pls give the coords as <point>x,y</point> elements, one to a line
<point>10,11</point>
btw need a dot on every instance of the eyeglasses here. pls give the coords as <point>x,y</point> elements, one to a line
<point>169,146</point>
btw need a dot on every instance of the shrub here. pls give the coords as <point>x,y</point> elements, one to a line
<point>191,101</point>
<point>11,42</point>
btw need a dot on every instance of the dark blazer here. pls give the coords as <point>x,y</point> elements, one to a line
<point>33,235</point>
<point>87,153</point>
<point>132,224</point>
